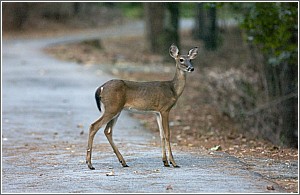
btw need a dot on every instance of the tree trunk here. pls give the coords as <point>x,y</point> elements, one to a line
<point>162,23</point>
<point>212,37</point>
<point>154,24</point>
<point>14,15</point>
<point>171,26</point>
<point>206,25</point>
<point>288,109</point>
<point>201,29</point>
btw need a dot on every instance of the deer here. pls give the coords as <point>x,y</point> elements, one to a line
<point>157,97</point>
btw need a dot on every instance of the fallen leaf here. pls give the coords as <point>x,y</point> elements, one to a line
<point>156,170</point>
<point>169,187</point>
<point>80,126</point>
<point>112,173</point>
<point>216,148</point>
<point>270,187</point>
<point>186,128</point>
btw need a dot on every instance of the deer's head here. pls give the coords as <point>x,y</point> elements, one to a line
<point>183,62</point>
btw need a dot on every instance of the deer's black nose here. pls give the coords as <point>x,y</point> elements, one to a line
<point>190,69</point>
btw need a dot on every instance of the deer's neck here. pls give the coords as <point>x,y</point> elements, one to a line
<point>179,81</point>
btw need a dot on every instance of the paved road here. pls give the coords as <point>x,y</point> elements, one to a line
<point>47,106</point>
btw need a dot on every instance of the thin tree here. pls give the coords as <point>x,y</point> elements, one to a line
<point>162,24</point>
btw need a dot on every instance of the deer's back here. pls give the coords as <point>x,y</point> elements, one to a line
<point>146,96</point>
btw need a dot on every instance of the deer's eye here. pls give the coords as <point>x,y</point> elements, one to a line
<point>181,60</point>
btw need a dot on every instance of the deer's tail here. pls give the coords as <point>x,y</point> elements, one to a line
<point>98,98</point>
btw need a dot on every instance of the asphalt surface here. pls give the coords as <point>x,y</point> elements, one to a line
<point>47,107</point>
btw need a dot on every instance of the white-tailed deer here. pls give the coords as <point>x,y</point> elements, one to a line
<point>155,96</point>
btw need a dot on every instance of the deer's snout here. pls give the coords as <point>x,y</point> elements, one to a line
<point>190,69</point>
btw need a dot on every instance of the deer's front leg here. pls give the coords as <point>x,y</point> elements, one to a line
<point>165,122</point>
<point>163,139</point>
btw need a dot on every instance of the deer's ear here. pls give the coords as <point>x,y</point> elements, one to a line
<point>174,51</point>
<point>193,53</point>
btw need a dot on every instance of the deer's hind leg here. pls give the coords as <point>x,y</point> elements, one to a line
<point>108,133</point>
<point>94,127</point>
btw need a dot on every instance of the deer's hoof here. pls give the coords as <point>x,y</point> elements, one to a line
<point>123,163</point>
<point>166,164</point>
<point>90,166</point>
<point>174,165</point>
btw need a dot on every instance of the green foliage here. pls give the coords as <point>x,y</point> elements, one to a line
<point>274,28</point>
<point>218,5</point>
<point>136,10</point>
<point>187,9</point>
<point>132,10</point>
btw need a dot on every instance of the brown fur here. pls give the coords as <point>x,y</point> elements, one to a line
<point>154,96</point>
